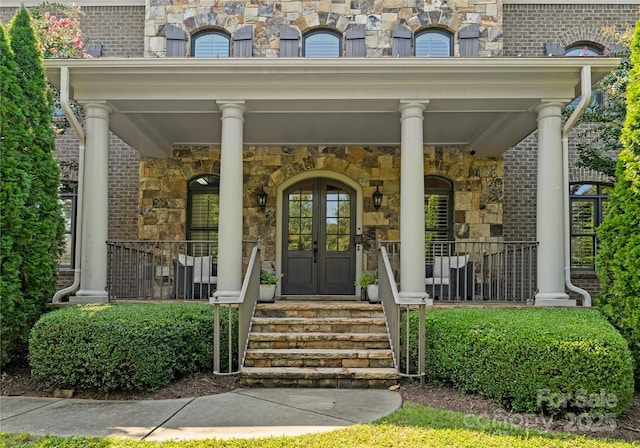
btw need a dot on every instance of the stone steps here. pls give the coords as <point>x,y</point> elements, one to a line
<point>321,343</point>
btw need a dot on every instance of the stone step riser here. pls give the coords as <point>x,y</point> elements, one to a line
<point>311,362</point>
<point>319,358</point>
<point>319,344</point>
<point>313,327</point>
<point>321,313</point>
<point>319,377</point>
<point>326,383</point>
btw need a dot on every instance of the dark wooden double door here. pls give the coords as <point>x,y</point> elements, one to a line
<point>318,229</point>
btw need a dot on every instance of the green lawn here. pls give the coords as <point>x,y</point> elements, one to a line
<point>413,425</point>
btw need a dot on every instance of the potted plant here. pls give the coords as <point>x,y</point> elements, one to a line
<point>369,282</point>
<point>268,282</point>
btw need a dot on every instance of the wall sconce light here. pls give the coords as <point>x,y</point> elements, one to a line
<point>262,198</point>
<point>377,198</point>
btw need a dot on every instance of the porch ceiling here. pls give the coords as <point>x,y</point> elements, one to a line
<point>487,104</point>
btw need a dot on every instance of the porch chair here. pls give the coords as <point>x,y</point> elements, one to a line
<point>195,277</point>
<point>450,277</point>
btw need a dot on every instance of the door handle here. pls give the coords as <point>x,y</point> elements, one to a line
<point>315,251</point>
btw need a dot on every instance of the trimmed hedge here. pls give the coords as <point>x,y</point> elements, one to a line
<point>126,346</point>
<point>531,359</point>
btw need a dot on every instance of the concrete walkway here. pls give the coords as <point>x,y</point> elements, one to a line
<point>243,413</point>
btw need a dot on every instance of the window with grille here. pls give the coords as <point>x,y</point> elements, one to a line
<point>589,206</point>
<point>203,204</point>
<point>210,44</point>
<point>438,215</point>
<point>68,202</point>
<point>338,220</point>
<point>433,43</point>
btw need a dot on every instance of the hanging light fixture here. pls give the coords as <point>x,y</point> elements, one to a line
<point>262,198</point>
<point>377,198</point>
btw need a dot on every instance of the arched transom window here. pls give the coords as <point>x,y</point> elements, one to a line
<point>322,44</point>
<point>210,44</point>
<point>433,42</point>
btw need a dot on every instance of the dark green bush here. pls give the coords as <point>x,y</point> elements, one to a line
<point>131,347</point>
<point>531,359</point>
<point>618,259</point>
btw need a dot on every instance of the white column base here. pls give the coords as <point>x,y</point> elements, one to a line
<point>225,297</point>
<point>90,296</point>
<point>554,299</point>
<point>415,298</point>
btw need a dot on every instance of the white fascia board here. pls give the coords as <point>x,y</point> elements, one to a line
<point>81,3</point>
<point>570,2</point>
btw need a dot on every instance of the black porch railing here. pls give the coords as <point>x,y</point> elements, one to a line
<point>475,270</point>
<point>164,270</point>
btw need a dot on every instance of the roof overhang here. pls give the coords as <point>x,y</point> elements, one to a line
<point>486,104</point>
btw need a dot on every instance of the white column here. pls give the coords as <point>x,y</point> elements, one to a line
<point>93,273</point>
<point>412,200</point>
<point>550,208</point>
<point>230,219</point>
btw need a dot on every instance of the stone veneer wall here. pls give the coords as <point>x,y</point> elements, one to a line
<point>378,16</point>
<point>477,196</point>
<point>526,29</point>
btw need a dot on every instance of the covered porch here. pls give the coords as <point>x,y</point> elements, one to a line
<point>478,106</point>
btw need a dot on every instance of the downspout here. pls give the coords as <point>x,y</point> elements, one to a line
<point>585,99</point>
<point>77,128</point>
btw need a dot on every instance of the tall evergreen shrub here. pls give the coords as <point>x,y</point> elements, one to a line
<point>618,260</point>
<point>15,184</point>
<point>38,225</point>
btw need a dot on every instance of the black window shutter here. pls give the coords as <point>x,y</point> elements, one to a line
<point>94,50</point>
<point>470,40</point>
<point>243,42</point>
<point>176,42</point>
<point>553,49</point>
<point>401,41</point>
<point>289,42</point>
<point>355,41</point>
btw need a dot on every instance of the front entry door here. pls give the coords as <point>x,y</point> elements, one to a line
<point>318,250</point>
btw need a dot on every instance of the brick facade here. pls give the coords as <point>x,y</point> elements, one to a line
<point>120,29</point>
<point>526,29</point>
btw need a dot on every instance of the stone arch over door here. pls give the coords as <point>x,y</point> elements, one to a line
<point>317,174</point>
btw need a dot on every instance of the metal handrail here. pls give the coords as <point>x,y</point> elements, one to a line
<point>245,302</point>
<point>394,305</point>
